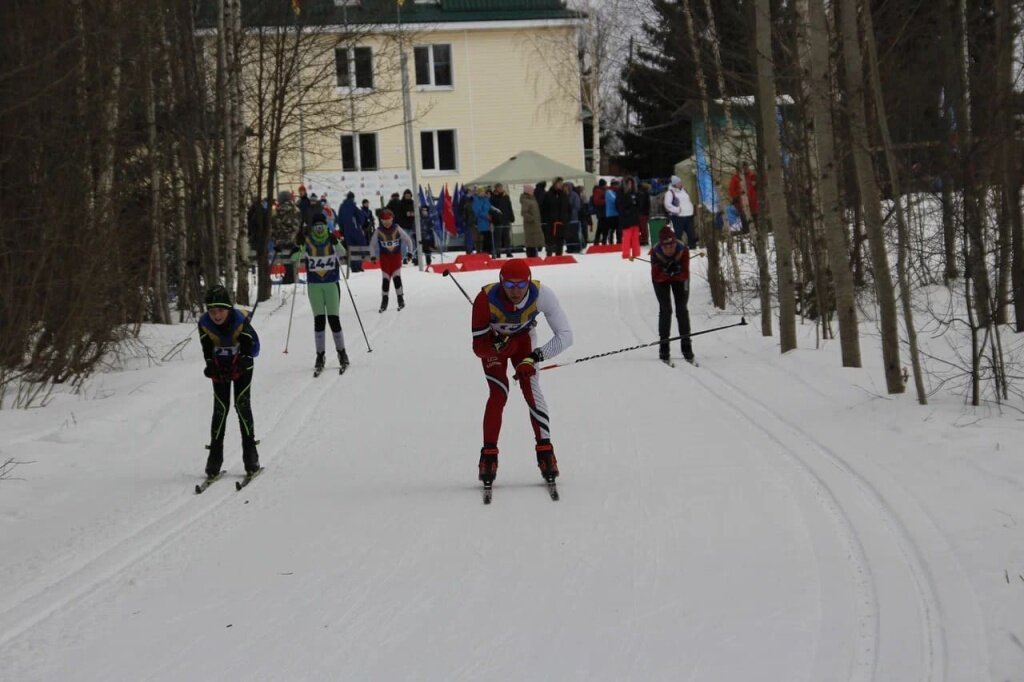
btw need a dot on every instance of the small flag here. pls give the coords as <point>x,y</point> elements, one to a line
<point>447,214</point>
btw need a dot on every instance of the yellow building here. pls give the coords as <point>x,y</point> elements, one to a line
<point>487,79</point>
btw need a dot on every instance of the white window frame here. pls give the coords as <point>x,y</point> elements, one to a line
<point>352,89</point>
<point>357,150</point>
<point>430,67</point>
<point>437,152</point>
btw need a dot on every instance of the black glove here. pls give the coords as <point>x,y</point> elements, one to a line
<point>210,371</point>
<point>500,341</point>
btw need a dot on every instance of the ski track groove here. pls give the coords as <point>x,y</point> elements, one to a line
<point>866,601</point>
<point>934,645</point>
<point>78,584</point>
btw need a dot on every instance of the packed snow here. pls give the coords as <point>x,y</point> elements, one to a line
<point>760,517</point>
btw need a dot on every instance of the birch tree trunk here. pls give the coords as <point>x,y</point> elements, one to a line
<point>225,60</point>
<point>870,196</point>
<point>1010,160</point>
<point>903,246</point>
<point>716,280</point>
<point>161,312</point>
<point>812,38</point>
<point>237,161</point>
<point>776,210</point>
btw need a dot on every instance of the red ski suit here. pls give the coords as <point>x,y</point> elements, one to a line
<point>497,319</point>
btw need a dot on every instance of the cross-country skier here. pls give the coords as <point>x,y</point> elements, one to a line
<point>504,330</point>
<point>323,254</point>
<point>229,346</point>
<point>670,272</point>
<point>386,244</point>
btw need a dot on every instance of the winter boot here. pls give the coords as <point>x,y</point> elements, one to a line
<point>383,304</point>
<point>546,461</point>
<point>320,360</point>
<point>343,359</point>
<point>215,459</point>
<point>488,463</point>
<point>663,352</point>
<point>687,348</point>
<point>401,301</point>
<point>250,457</point>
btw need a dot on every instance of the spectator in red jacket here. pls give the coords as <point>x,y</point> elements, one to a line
<point>736,193</point>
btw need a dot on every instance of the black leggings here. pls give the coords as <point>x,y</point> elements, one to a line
<point>320,322</point>
<point>680,291</point>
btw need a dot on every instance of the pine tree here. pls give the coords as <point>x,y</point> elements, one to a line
<point>659,81</point>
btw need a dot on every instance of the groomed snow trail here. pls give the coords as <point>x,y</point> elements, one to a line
<point>703,533</point>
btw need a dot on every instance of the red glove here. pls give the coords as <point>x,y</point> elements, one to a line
<point>527,366</point>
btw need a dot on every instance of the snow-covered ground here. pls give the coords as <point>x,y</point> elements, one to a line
<point>760,517</point>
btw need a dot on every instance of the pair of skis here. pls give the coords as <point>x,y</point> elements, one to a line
<point>488,490</point>
<point>210,480</point>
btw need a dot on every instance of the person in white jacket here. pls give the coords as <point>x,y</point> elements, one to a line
<point>680,211</point>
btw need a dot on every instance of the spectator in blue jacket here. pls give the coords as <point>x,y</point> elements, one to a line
<point>482,213</point>
<point>350,224</point>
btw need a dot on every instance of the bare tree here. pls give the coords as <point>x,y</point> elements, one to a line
<point>777,209</point>
<point>814,60</point>
<point>870,195</point>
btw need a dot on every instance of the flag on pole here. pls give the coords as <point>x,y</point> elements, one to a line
<point>447,214</point>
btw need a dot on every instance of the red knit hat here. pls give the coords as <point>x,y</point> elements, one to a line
<point>666,234</point>
<point>386,214</point>
<point>516,269</point>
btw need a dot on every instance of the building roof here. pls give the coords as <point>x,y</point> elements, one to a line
<point>331,13</point>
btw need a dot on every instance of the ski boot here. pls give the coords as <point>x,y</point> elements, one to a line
<point>488,463</point>
<point>383,304</point>
<point>546,461</point>
<point>663,354</point>
<point>401,301</point>
<point>343,360</point>
<point>687,349</point>
<point>318,366</point>
<point>215,460</point>
<point>250,457</point>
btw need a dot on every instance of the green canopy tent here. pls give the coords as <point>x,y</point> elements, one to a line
<point>531,167</point>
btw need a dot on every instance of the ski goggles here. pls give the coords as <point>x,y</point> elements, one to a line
<point>515,285</point>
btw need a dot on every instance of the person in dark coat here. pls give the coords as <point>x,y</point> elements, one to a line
<point>555,208</point>
<point>628,204</point>
<point>503,221</point>
<point>406,219</point>
<point>369,223</point>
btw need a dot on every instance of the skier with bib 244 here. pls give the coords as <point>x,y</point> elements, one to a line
<point>504,331</point>
<point>323,256</point>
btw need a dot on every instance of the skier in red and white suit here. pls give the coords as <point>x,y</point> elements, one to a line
<point>504,330</point>
<point>386,244</point>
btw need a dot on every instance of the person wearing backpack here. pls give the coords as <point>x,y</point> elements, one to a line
<point>229,345</point>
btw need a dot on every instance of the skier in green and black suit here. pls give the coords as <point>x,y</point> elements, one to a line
<point>323,254</point>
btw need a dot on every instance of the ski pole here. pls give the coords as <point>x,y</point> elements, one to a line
<point>698,254</point>
<point>295,291</point>
<point>359,319</point>
<point>741,323</point>
<point>448,273</point>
